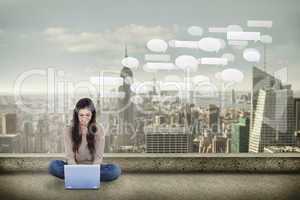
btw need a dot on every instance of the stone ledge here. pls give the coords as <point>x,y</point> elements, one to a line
<point>165,163</point>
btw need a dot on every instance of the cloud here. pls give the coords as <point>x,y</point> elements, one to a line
<point>53,31</point>
<point>135,36</point>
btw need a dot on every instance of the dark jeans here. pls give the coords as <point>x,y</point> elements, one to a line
<point>108,172</point>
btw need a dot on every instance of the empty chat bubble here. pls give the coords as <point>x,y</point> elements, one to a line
<point>205,89</point>
<point>106,80</point>
<point>195,30</point>
<point>130,62</point>
<point>171,86</point>
<point>210,44</point>
<point>259,23</point>
<point>155,66</point>
<point>172,43</point>
<point>238,44</point>
<point>172,78</point>
<point>229,56</point>
<point>230,28</point>
<point>109,94</point>
<point>232,75</point>
<point>158,57</point>
<point>199,79</point>
<point>251,55</point>
<point>213,61</point>
<point>186,85</point>
<point>248,36</point>
<point>218,76</point>
<point>183,44</point>
<point>157,45</point>
<point>217,29</point>
<point>234,28</point>
<point>187,62</point>
<point>266,39</point>
<point>142,87</point>
<point>223,43</point>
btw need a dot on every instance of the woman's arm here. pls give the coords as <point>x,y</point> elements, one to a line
<point>99,146</point>
<point>68,146</point>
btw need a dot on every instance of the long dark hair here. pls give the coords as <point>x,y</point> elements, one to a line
<point>92,128</point>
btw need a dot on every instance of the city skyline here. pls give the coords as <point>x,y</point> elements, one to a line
<point>93,39</point>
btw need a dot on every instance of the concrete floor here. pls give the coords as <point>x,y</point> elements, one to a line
<point>157,186</point>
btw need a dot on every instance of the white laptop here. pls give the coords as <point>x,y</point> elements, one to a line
<point>82,176</point>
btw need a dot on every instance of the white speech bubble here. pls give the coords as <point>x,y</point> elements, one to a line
<point>248,36</point>
<point>109,94</point>
<point>237,43</point>
<point>106,80</point>
<point>142,87</point>
<point>223,43</point>
<point>171,86</point>
<point>130,62</point>
<point>157,45</point>
<point>259,23</point>
<point>186,85</point>
<point>210,44</point>
<point>158,57</point>
<point>217,29</point>
<point>213,61</point>
<point>229,56</point>
<point>155,66</point>
<point>266,39</point>
<point>195,30</point>
<point>183,44</point>
<point>251,55</point>
<point>234,28</point>
<point>218,75</point>
<point>172,78</point>
<point>232,75</point>
<point>230,28</point>
<point>187,62</point>
<point>199,79</point>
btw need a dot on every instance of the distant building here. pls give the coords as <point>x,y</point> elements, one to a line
<point>220,144</point>
<point>240,136</point>
<point>281,149</point>
<point>213,118</point>
<point>260,80</point>
<point>297,113</point>
<point>125,104</point>
<point>205,144</point>
<point>9,143</point>
<point>168,141</point>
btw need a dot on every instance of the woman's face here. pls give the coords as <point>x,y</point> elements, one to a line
<point>84,116</point>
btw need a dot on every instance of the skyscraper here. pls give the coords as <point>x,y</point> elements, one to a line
<point>125,105</point>
<point>297,113</point>
<point>297,116</point>
<point>260,80</point>
<point>274,121</point>
<point>240,136</point>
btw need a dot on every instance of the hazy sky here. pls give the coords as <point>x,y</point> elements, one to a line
<point>85,37</point>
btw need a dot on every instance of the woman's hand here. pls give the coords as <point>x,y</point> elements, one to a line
<point>83,130</point>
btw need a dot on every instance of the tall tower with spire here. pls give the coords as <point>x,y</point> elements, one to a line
<point>126,115</point>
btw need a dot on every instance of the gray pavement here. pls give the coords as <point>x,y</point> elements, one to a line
<point>156,186</point>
